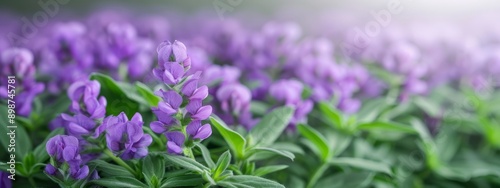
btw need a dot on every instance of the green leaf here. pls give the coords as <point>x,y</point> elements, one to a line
<point>421,129</point>
<point>4,139</point>
<point>235,141</point>
<point>349,179</point>
<point>427,106</point>
<point>362,164</point>
<point>108,169</point>
<point>147,94</point>
<point>269,169</point>
<point>188,180</point>
<point>338,142</point>
<point>60,105</point>
<point>222,164</point>
<point>206,155</point>
<point>119,182</point>
<point>40,152</point>
<point>259,108</point>
<point>56,180</point>
<point>372,109</point>
<point>23,143</point>
<point>251,181</point>
<point>271,126</point>
<point>258,150</point>
<point>286,146</point>
<point>153,165</point>
<point>117,99</point>
<point>187,163</point>
<point>317,140</point>
<point>333,115</point>
<point>386,126</point>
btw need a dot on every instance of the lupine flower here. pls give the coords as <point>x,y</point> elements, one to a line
<point>181,106</point>
<point>126,137</point>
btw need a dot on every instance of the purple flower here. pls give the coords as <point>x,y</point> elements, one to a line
<point>77,171</point>
<point>175,142</point>
<point>63,148</point>
<point>84,89</point>
<point>165,121</point>
<point>197,111</point>
<point>198,131</point>
<point>25,99</point>
<point>5,182</point>
<point>50,170</point>
<point>288,91</point>
<point>127,137</point>
<point>168,52</point>
<point>169,73</point>
<point>17,62</point>
<point>79,124</point>
<point>171,101</point>
<point>190,89</point>
<point>84,97</point>
<point>235,98</point>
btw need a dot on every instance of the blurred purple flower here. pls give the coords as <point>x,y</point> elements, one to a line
<point>5,182</point>
<point>235,98</point>
<point>17,62</point>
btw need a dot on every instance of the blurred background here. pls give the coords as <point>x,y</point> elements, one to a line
<point>292,10</point>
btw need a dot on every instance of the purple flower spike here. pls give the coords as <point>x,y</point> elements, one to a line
<point>63,148</point>
<point>175,142</point>
<point>197,131</point>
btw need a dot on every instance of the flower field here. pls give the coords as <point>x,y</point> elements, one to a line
<point>118,100</point>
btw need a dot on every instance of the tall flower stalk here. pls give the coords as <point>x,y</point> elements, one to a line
<point>181,112</point>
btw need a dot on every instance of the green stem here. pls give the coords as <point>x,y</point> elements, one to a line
<point>32,182</point>
<point>188,152</point>
<point>317,174</point>
<point>119,161</point>
<point>207,185</point>
<point>155,138</point>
